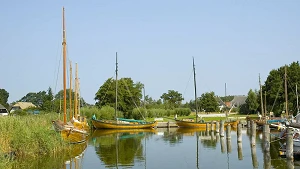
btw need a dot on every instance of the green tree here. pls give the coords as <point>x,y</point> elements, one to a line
<point>208,102</point>
<point>275,92</point>
<point>35,98</point>
<point>48,100</point>
<point>129,95</point>
<point>4,97</point>
<point>252,101</point>
<point>172,99</point>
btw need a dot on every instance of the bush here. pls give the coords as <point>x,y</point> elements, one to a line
<point>106,112</point>
<point>183,111</point>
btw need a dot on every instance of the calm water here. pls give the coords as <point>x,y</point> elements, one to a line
<point>168,149</point>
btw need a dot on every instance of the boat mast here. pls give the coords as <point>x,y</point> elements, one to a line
<point>116,85</point>
<point>261,98</point>
<point>226,101</point>
<point>70,91</point>
<point>64,43</point>
<point>285,89</point>
<point>195,86</point>
<point>297,99</point>
<point>76,91</point>
<point>265,103</point>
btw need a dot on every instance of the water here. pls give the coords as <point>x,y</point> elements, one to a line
<point>168,149</point>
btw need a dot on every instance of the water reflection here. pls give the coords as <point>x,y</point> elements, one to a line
<point>240,151</point>
<point>120,147</point>
<point>75,162</point>
<point>168,149</point>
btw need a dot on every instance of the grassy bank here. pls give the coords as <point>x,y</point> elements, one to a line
<point>29,137</point>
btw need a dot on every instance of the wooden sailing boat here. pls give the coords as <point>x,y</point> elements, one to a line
<point>121,123</point>
<point>196,124</point>
<point>78,121</point>
<point>68,131</point>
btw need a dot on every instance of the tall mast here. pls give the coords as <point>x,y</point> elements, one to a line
<point>285,89</point>
<point>226,102</point>
<point>261,99</point>
<point>116,85</point>
<point>64,43</point>
<point>195,86</point>
<point>297,99</point>
<point>70,91</point>
<point>265,103</point>
<point>76,91</point>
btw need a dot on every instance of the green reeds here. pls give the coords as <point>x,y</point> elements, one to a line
<point>29,136</point>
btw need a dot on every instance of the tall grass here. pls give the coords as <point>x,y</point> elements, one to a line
<point>29,136</point>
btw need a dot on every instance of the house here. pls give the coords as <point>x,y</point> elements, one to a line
<point>3,111</point>
<point>237,101</point>
<point>21,106</point>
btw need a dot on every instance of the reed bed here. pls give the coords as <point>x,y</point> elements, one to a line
<point>29,136</point>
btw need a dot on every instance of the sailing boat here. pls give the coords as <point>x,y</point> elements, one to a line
<point>68,131</point>
<point>121,123</point>
<point>196,124</point>
<point>78,121</point>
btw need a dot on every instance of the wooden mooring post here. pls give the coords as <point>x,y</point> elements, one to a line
<point>248,123</point>
<point>266,138</point>
<point>289,144</point>
<point>217,127</point>
<point>253,133</point>
<point>239,133</point>
<point>228,131</point>
<point>222,142</point>
<point>206,127</point>
<point>211,126</point>
<point>228,138</point>
<point>222,128</point>
<point>240,151</point>
<point>253,143</point>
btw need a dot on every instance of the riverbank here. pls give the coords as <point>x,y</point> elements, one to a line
<point>29,137</point>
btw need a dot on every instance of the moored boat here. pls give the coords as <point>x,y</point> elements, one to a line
<point>121,123</point>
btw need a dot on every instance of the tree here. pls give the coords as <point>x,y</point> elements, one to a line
<point>4,97</point>
<point>129,95</point>
<point>208,102</point>
<point>48,100</point>
<point>275,92</point>
<point>252,101</point>
<point>35,98</point>
<point>172,99</point>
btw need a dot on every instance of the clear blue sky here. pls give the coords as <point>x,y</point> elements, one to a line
<point>232,42</point>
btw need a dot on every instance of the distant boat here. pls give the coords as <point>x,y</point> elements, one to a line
<point>69,132</point>
<point>121,123</point>
<point>190,123</point>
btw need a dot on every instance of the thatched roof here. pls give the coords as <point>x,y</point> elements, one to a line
<point>24,105</point>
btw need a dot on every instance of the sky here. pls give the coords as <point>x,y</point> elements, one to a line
<point>232,42</point>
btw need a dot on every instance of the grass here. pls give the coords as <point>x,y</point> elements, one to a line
<point>29,137</point>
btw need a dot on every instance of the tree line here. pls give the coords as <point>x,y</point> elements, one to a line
<point>130,97</point>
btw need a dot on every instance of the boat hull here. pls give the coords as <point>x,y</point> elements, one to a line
<point>101,124</point>
<point>187,124</point>
<point>70,134</point>
<point>73,136</point>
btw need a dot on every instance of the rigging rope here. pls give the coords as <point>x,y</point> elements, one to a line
<point>132,99</point>
<point>188,82</point>
<point>275,100</point>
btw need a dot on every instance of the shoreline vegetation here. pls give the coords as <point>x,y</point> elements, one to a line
<point>29,137</point>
